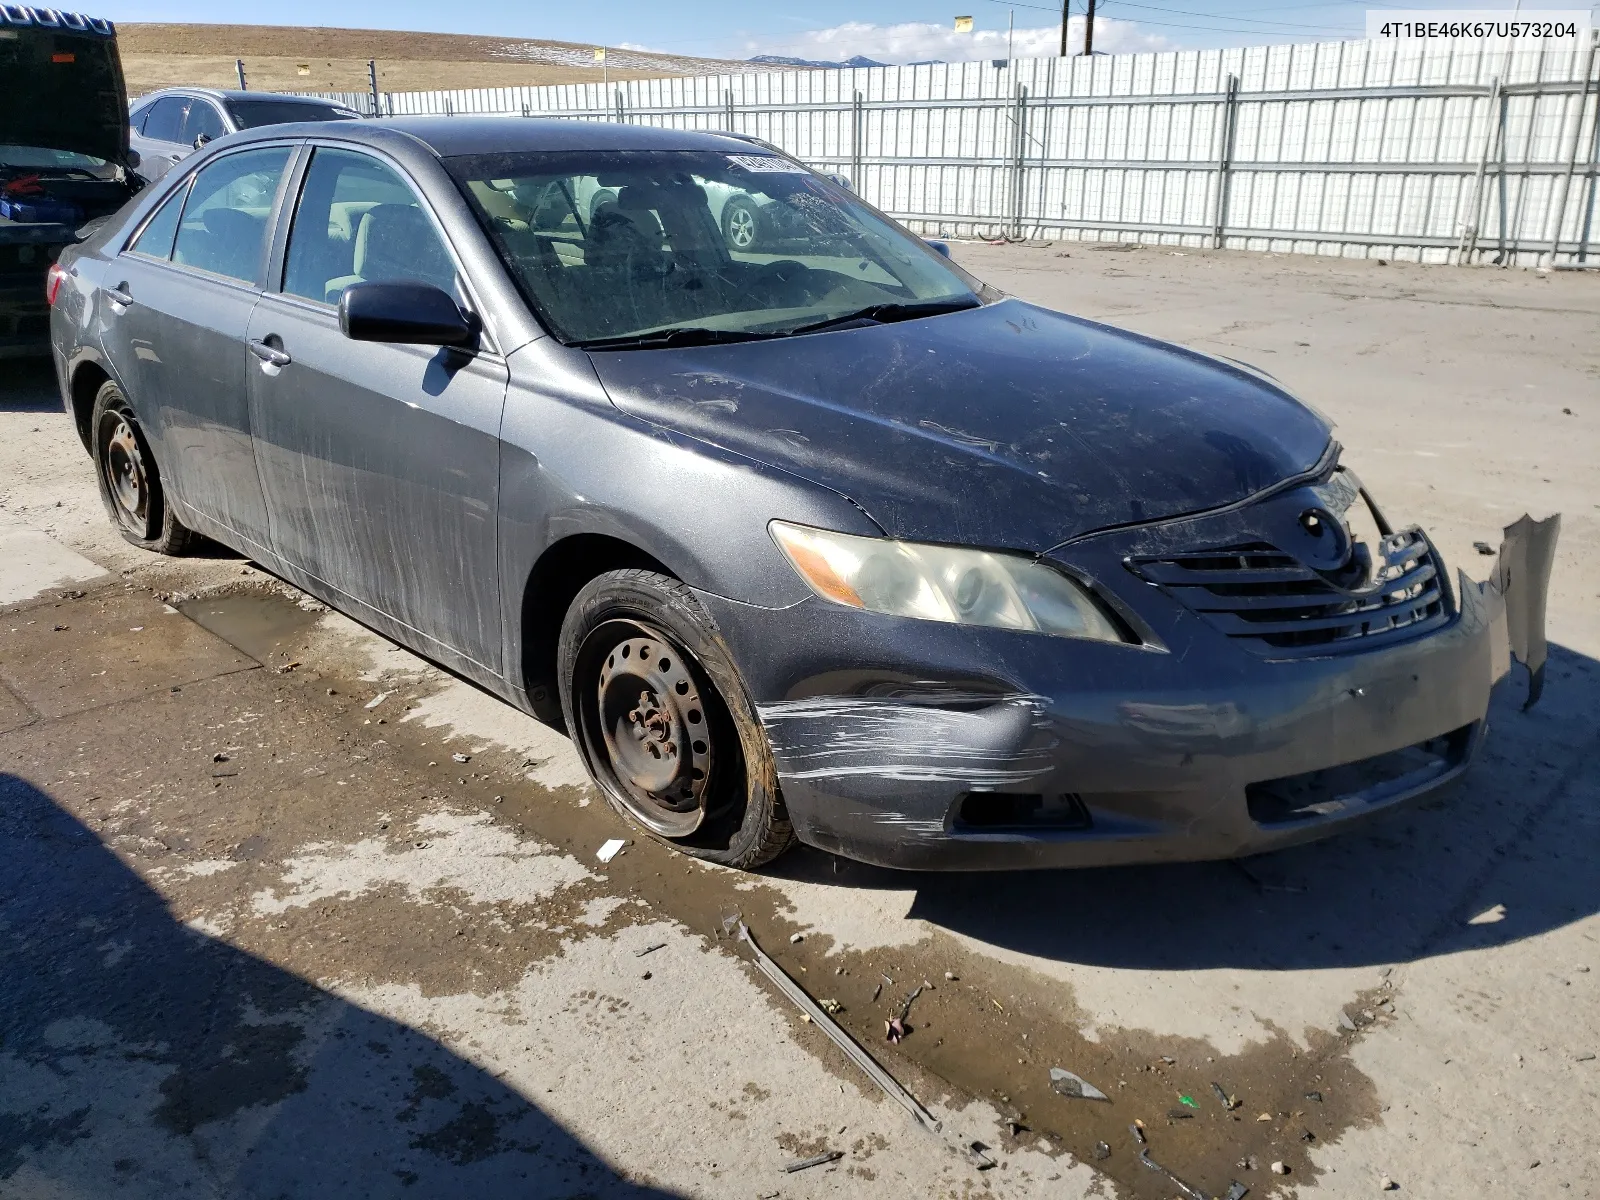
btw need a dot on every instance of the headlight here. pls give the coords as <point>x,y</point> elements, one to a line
<point>942,583</point>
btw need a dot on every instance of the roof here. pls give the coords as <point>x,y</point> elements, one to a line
<point>451,136</point>
<point>238,94</point>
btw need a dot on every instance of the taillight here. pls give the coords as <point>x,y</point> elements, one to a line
<point>52,283</point>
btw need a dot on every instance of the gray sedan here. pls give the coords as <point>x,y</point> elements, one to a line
<point>818,538</point>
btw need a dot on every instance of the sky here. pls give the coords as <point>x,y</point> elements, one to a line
<point>887,30</point>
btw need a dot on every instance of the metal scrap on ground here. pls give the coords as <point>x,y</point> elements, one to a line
<point>817,1161</point>
<point>843,1040</point>
<point>1065,1083</point>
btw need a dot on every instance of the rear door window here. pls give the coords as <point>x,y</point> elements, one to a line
<point>166,118</point>
<point>224,226</point>
<point>358,221</point>
<point>155,239</point>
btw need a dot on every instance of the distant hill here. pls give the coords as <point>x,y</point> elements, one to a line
<point>318,59</point>
<point>783,60</point>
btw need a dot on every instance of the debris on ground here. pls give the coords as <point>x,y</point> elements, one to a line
<point>876,992</point>
<point>1192,1193</point>
<point>951,976</point>
<point>1483,547</point>
<point>1137,1129</point>
<point>1346,1023</point>
<point>646,975</point>
<point>1586,1056</point>
<point>377,700</point>
<point>1236,1191</point>
<point>843,1040</point>
<point>894,1030</point>
<point>905,1009</point>
<point>1101,1151</point>
<point>796,938</point>
<point>1264,1117</point>
<point>461,758</point>
<point>831,1006</point>
<point>1279,1168</point>
<point>1229,1103</point>
<point>610,850</point>
<point>978,1157</point>
<point>219,757</point>
<point>1187,1101</point>
<point>1385,1184</point>
<point>650,949</point>
<point>1076,1087</point>
<point>818,1160</point>
<point>1314,1097</point>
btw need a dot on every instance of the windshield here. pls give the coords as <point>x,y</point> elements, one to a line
<point>250,114</point>
<point>40,159</point>
<point>616,245</point>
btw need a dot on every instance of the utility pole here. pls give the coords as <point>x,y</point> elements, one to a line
<point>1064,4</point>
<point>238,65</point>
<point>1088,30</point>
<point>372,80</point>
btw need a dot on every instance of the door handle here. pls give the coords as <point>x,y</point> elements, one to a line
<point>270,355</point>
<point>119,295</point>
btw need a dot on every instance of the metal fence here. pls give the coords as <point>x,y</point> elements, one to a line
<point>1453,151</point>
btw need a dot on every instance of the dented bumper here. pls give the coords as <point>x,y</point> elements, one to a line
<point>924,745</point>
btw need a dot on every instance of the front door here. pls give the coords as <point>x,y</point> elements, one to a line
<point>380,462</point>
<point>178,306</point>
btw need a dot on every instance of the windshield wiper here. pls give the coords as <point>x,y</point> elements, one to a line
<point>683,335</point>
<point>893,311</point>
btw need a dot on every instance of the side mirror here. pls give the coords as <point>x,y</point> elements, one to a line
<point>417,314</point>
<point>200,139</point>
<point>942,247</point>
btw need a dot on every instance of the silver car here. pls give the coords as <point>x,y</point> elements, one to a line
<point>169,125</point>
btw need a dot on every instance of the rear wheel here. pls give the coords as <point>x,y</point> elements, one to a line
<point>130,484</point>
<point>656,708</point>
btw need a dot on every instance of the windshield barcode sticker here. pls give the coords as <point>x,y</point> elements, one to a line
<point>768,163</point>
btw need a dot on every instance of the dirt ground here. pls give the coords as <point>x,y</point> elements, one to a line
<point>302,59</point>
<point>284,910</point>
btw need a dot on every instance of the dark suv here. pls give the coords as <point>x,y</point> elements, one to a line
<point>63,154</point>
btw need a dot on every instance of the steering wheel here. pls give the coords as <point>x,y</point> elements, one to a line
<point>768,273</point>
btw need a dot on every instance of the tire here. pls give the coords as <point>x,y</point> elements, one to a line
<point>130,483</point>
<point>743,226</point>
<point>657,710</point>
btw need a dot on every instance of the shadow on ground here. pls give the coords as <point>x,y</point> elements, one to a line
<point>30,386</point>
<point>142,1056</point>
<point>1521,829</point>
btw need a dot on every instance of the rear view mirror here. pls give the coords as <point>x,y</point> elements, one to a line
<point>416,314</point>
<point>131,158</point>
<point>200,139</point>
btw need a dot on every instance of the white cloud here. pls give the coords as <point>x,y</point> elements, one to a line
<point>917,41</point>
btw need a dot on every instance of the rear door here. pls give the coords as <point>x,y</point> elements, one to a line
<point>380,462</point>
<point>158,137</point>
<point>175,311</point>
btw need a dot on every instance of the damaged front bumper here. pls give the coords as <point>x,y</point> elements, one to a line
<point>923,745</point>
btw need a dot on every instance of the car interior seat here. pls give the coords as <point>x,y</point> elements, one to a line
<point>395,242</point>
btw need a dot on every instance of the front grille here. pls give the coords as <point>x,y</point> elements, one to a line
<point>1276,604</point>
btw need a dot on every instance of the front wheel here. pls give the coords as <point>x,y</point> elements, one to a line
<point>742,225</point>
<point>656,708</point>
<point>130,484</point>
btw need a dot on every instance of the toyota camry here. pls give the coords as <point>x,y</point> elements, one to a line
<point>812,536</point>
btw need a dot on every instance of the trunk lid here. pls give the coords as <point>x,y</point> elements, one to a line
<point>63,88</point>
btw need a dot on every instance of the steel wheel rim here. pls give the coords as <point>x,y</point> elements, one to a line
<point>125,475</point>
<point>742,227</point>
<point>654,730</point>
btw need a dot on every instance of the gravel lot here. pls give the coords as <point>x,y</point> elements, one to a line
<point>338,928</point>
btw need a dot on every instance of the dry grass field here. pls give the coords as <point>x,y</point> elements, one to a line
<point>286,58</point>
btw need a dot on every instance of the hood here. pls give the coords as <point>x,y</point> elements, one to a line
<point>1002,426</point>
<point>63,87</point>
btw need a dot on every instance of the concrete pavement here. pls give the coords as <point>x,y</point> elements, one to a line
<point>263,939</point>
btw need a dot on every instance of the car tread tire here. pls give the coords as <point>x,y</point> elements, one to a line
<point>755,829</point>
<point>160,530</point>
